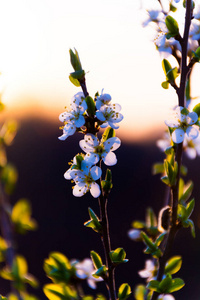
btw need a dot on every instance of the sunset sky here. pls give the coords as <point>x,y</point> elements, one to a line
<point>115,50</point>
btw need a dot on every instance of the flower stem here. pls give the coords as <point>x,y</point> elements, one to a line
<point>105,237</point>
<point>175,189</point>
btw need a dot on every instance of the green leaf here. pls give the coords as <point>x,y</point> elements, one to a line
<point>118,256</point>
<point>124,291</point>
<point>165,85</point>
<point>138,224</point>
<point>154,285</point>
<point>75,60</point>
<point>172,25</point>
<point>165,284</point>
<point>176,285</point>
<point>151,220</point>
<point>74,81</point>
<point>160,239</point>
<point>166,66</point>
<point>101,272</point>
<point>158,168</point>
<point>97,261</point>
<point>191,224</point>
<point>196,109</point>
<point>190,208</point>
<point>58,292</point>
<point>140,292</point>
<point>108,133</point>
<point>173,265</point>
<point>90,106</point>
<point>188,188</point>
<point>94,222</point>
<point>148,241</point>
<point>172,7</point>
<point>21,217</point>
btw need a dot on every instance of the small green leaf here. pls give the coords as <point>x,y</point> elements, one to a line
<point>172,25</point>
<point>124,291</point>
<point>97,261</point>
<point>118,256</point>
<point>75,60</point>
<point>140,292</point>
<point>165,85</point>
<point>191,224</point>
<point>74,81</point>
<point>165,284</point>
<point>154,285</point>
<point>173,265</point>
<point>176,285</point>
<point>196,109</point>
<point>108,133</point>
<point>158,168</point>
<point>90,106</point>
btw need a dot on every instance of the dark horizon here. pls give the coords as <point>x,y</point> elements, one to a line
<point>41,160</point>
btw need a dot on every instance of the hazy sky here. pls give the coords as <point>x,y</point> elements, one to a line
<point>115,50</point>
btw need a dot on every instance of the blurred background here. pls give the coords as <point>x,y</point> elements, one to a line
<point>119,56</point>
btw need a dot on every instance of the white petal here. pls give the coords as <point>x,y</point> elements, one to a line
<point>191,152</point>
<point>172,123</point>
<point>100,116</point>
<point>178,135</point>
<point>192,132</point>
<point>91,283</point>
<point>192,117</point>
<point>109,159</point>
<point>85,146</point>
<point>134,234</point>
<point>80,122</point>
<point>79,190</point>
<point>63,137</point>
<point>67,174</point>
<point>80,274</point>
<point>91,139</point>
<point>95,190</point>
<point>112,144</point>
<point>92,158</point>
<point>112,125</point>
<point>116,107</point>
<point>104,125</point>
<point>95,172</point>
<point>85,166</point>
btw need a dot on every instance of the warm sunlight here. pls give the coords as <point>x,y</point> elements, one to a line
<point>115,50</point>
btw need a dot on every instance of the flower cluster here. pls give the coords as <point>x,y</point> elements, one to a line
<point>105,114</point>
<point>183,123</point>
<point>83,170</point>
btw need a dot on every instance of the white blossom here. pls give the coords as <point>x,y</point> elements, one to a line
<point>183,123</point>
<point>84,179</point>
<point>153,16</point>
<point>192,147</point>
<point>149,272</point>
<point>166,297</point>
<point>103,99</point>
<point>163,44</point>
<point>195,30</point>
<point>110,114</point>
<point>134,234</point>
<point>84,270</point>
<point>73,118</point>
<point>95,149</point>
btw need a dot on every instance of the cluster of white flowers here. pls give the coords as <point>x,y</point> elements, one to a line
<point>183,123</point>
<point>107,114</point>
<point>164,45</point>
<point>83,171</point>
